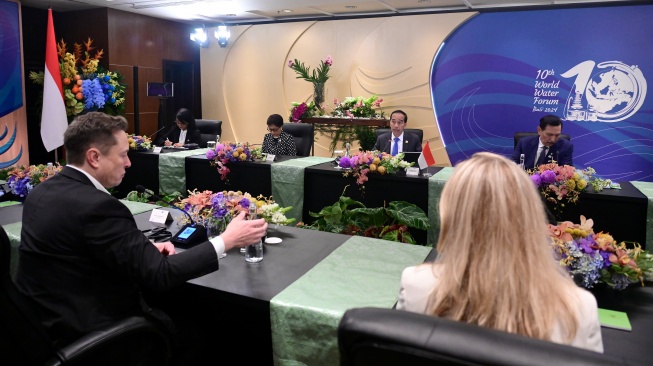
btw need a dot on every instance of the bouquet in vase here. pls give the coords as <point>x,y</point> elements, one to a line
<point>139,143</point>
<point>365,162</point>
<point>226,152</point>
<point>21,180</point>
<point>560,185</point>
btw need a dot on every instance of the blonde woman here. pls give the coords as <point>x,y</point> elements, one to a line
<point>495,267</point>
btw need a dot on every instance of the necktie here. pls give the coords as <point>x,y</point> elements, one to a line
<point>542,159</point>
<point>395,147</point>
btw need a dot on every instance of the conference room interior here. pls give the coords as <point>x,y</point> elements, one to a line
<point>241,85</point>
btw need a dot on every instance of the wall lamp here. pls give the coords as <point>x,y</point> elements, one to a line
<point>222,34</point>
<point>200,37</point>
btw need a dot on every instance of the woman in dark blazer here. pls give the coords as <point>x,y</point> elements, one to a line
<point>185,122</point>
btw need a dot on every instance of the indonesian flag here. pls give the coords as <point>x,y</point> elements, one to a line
<point>425,159</point>
<point>53,118</point>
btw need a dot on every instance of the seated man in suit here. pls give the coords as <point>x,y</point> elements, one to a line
<point>546,147</point>
<point>398,141</point>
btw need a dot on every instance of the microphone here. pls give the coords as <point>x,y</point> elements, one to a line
<point>157,131</point>
<point>189,235</point>
<point>387,145</point>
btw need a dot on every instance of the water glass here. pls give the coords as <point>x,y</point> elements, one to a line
<point>217,139</point>
<point>215,228</point>
<point>210,144</point>
<point>254,252</point>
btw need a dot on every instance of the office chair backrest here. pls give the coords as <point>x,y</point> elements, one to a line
<point>519,135</point>
<point>24,341</point>
<point>416,131</point>
<point>209,130</point>
<point>303,134</point>
<point>373,336</point>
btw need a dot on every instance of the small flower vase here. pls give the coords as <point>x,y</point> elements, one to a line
<point>318,96</point>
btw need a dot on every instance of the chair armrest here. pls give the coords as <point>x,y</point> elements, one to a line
<point>103,342</point>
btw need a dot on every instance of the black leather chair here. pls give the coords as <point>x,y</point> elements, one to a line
<point>303,134</point>
<point>23,340</point>
<point>373,336</point>
<point>519,135</point>
<point>209,130</point>
<point>416,131</point>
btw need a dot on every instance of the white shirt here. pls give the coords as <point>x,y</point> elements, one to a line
<point>400,142</point>
<point>218,243</point>
<point>182,136</point>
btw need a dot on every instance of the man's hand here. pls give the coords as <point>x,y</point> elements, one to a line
<point>166,248</point>
<point>241,232</point>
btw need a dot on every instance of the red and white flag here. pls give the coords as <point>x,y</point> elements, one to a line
<point>53,118</point>
<point>425,159</point>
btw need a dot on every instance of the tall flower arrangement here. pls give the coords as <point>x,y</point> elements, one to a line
<point>561,185</point>
<point>598,258</point>
<point>358,107</point>
<point>139,143</point>
<point>87,86</point>
<point>318,77</point>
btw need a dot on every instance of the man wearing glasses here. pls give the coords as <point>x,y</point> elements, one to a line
<point>398,140</point>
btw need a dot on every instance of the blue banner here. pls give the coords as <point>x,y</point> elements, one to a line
<point>11,87</point>
<point>499,73</point>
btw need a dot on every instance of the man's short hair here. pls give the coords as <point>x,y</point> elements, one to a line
<point>275,119</point>
<point>401,112</point>
<point>91,129</point>
<point>550,120</point>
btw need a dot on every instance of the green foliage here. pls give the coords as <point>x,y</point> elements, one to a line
<point>348,216</point>
<point>134,196</point>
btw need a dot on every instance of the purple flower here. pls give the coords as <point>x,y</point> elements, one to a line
<point>606,259</point>
<point>548,177</point>
<point>536,179</point>
<point>220,213</point>
<point>244,203</point>
<point>291,63</point>
<point>210,154</point>
<point>345,162</point>
<point>328,61</point>
<point>586,245</point>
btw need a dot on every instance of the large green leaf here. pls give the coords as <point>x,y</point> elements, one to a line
<point>408,214</point>
<point>371,216</point>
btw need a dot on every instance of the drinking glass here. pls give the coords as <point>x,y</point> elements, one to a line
<point>214,228</point>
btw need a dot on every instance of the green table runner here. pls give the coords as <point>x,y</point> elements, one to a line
<point>647,189</point>
<point>139,207</point>
<point>361,272</point>
<point>436,184</point>
<point>9,203</point>
<point>172,170</point>
<point>288,183</point>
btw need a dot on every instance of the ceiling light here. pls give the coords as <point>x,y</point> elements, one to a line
<point>222,34</point>
<point>286,11</point>
<point>200,37</point>
<point>351,6</point>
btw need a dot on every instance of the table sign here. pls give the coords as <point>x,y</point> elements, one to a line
<point>157,150</point>
<point>160,217</point>
<point>412,171</point>
<point>269,157</point>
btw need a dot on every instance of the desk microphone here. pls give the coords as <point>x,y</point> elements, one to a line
<point>189,235</point>
<point>157,131</point>
<point>387,144</point>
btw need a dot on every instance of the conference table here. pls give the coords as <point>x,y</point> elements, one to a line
<point>285,310</point>
<point>626,213</point>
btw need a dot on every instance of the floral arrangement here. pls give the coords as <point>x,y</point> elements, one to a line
<point>364,162</point>
<point>318,77</point>
<point>299,111</point>
<point>226,152</point>
<point>560,185</point>
<point>21,180</point>
<point>139,143</point>
<point>358,107</point>
<point>87,87</point>
<point>351,217</point>
<point>222,206</point>
<point>597,258</point>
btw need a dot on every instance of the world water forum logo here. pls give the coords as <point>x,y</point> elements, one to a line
<point>612,93</point>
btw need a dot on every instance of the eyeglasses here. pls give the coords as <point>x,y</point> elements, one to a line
<point>274,129</point>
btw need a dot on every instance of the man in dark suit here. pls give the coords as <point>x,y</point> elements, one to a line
<point>546,147</point>
<point>397,140</point>
<point>83,260</point>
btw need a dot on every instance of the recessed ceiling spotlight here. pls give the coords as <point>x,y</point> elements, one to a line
<point>286,11</point>
<point>351,6</point>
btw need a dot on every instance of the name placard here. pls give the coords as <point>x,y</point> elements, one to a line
<point>160,217</point>
<point>412,171</point>
<point>157,149</point>
<point>270,157</point>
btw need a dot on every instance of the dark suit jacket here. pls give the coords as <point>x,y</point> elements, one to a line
<point>83,259</point>
<point>562,151</point>
<point>192,137</point>
<point>412,142</point>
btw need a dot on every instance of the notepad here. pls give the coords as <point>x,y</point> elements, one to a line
<point>614,319</point>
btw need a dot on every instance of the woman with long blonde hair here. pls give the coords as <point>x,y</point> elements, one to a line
<point>495,266</point>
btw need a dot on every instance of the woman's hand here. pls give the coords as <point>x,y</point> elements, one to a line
<point>167,142</point>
